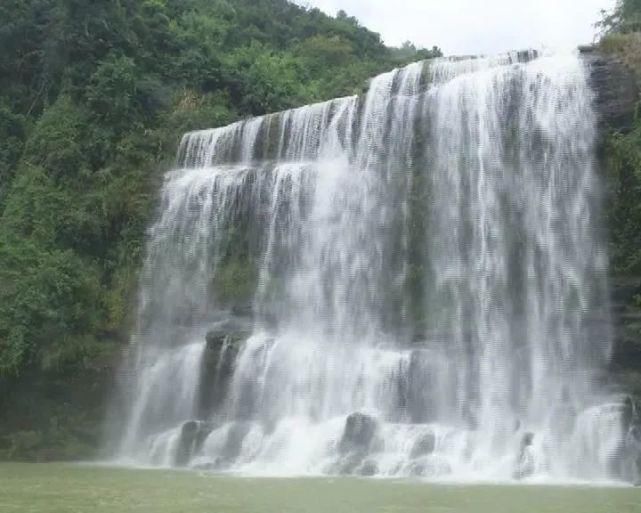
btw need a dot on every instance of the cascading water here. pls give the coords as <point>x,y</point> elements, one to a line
<point>427,282</point>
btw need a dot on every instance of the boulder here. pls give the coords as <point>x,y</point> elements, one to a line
<point>358,438</point>
<point>192,435</point>
<point>417,469</point>
<point>223,342</point>
<point>615,89</point>
<point>423,446</point>
<point>624,461</point>
<point>525,462</point>
<point>235,438</point>
<point>420,381</point>
<point>245,311</point>
<point>221,348</point>
<point>348,464</point>
<point>355,463</point>
<point>233,330</point>
<point>429,467</point>
<point>368,468</point>
<point>358,433</point>
<point>626,319</point>
<point>526,440</point>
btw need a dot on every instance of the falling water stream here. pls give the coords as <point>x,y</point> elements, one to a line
<point>427,286</point>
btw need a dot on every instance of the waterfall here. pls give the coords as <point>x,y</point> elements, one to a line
<point>408,283</point>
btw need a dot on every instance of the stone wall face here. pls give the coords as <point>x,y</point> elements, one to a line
<point>616,90</point>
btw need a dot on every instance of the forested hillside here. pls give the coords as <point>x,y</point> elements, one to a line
<point>94,97</point>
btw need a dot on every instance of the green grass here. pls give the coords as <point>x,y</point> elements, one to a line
<point>60,488</point>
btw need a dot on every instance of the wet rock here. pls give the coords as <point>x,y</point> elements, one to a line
<point>221,349</point>
<point>228,442</point>
<point>233,330</point>
<point>368,468</point>
<point>417,469</point>
<point>527,440</point>
<point>192,435</point>
<point>615,88</point>
<point>626,319</point>
<point>525,462</point>
<point>628,414</point>
<point>430,382</point>
<point>423,446</point>
<point>358,434</point>
<point>223,342</point>
<point>349,463</point>
<point>429,467</point>
<point>207,466</point>
<point>625,462</point>
<point>359,438</point>
<point>235,438</point>
<point>419,383</point>
<point>245,311</point>
<point>623,289</point>
<point>437,467</point>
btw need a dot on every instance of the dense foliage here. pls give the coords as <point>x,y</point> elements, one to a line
<point>621,159</point>
<point>93,98</point>
<point>625,18</point>
<point>622,151</point>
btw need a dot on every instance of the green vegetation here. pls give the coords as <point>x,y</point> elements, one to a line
<point>622,150</point>
<point>621,159</point>
<point>624,19</point>
<point>93,99</point>
<point>59,488</point>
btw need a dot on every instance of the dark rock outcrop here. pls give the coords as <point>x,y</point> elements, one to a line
<point>626,318</point>
<point>234,329</point>
<point>223,343</point>
<point>429,468</point>
<point>192,435</point>
<point>368,468</point>
<point>625,460</point>
<point>356,443</point>
<point>358,434</point>
<point>234,444</point>
<point>525,462</point>
<point>419,383</point>
<point>423,446</point>
<point>348,464</point>
<point>616,90</point>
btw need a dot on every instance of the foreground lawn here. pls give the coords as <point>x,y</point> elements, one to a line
<point>62,488</point>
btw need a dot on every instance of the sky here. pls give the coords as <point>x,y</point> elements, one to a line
<point>462,27</point>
